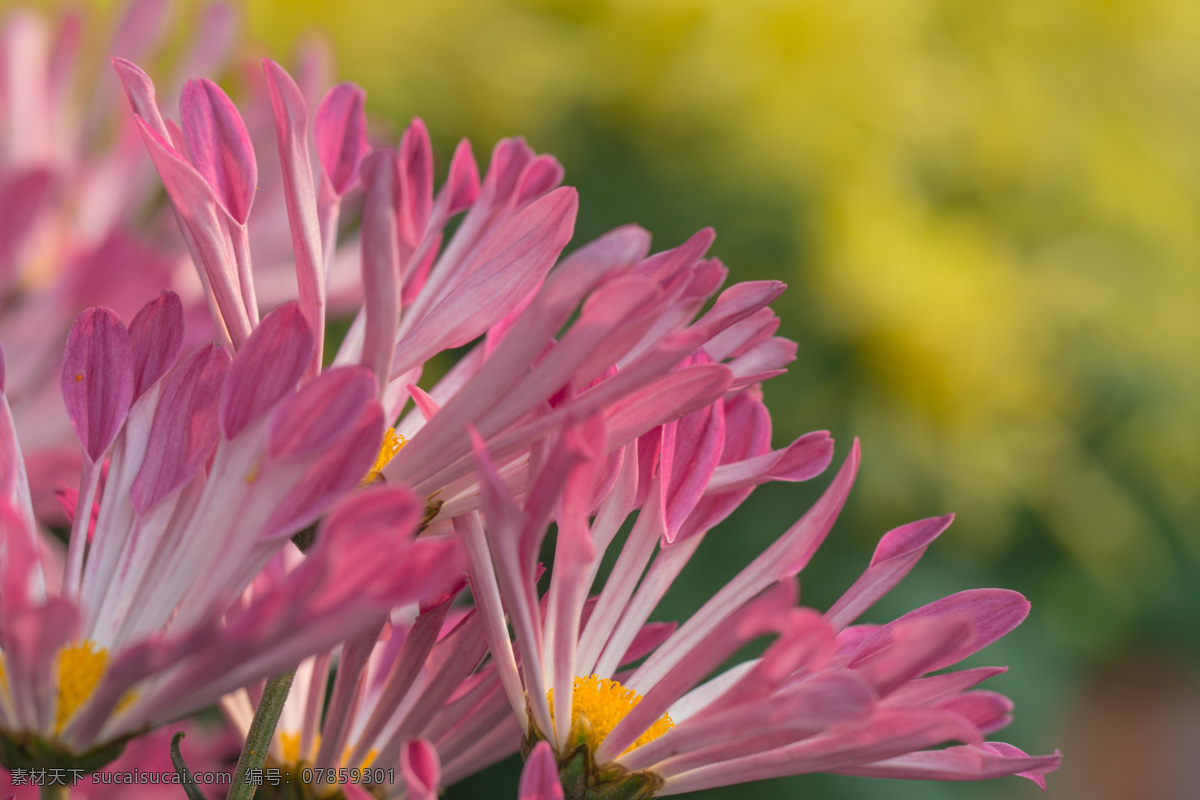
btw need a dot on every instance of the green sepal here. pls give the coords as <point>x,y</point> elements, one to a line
<point>580,777</point>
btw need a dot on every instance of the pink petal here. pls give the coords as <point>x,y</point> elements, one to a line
<point>897,553</point>
<point>786,557</point>
<point>987,711</point>
<point>421,769</point>
<point>766,613</point>
<point>155,335</point>
<point>219,146</point>
<point>315,418</point>
<point>414,167</point>
<point>184,431</point>
<point>267,368</point>
<point>515,259</point>
<point>97,379</point>
<point>340,131</point>
<point>962,763</point>
<point>539,778</point>
<point>291,133</point>
<point>923,691</point>
<point>992,612</point>
<point>337,471</point>
<point>380,263</point>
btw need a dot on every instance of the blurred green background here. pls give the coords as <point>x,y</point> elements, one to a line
<point>989,218</point>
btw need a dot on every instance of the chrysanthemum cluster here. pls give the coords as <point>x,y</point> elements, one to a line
<point>254,508</point>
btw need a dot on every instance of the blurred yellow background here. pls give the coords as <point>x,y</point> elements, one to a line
<point>989,218</point>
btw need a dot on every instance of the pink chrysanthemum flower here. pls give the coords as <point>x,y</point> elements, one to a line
<point>826,696</point>
<point>77,202</point>
<point>416,673</point>
<point>213,463</point>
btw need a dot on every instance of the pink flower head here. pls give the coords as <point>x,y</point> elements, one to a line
<point>213,463</point>
<point>75,200</point>
<point>634,318</point>
<point>409,696</point>
<point>826,696</point>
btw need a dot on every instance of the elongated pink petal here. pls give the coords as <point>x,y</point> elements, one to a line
<point>786,557</point>
<point>291,133</point>
<point>184,431</point>
<point>802,460</point>
<point>539,778</point>
<point>219,146</point>
<point>340,131</point>
<point>699,440</point>
<point>923,691</point>
<point>139,89</point>
<point>414,167</point>
<point>987,711</point>
<point>992,612</point>
<point>338,470</point>
<point>380,263</point>
<point>421,769</point>
<point>97,379</point>
<point>268,367</point>
<point>902,652</point>
<point>766,613</point>
<point>891,733</point>
<point>786,717</point>
<point>156,335</point>
<point>962,763</point>
<point>516,259</point>
<point>315,417</point>
<point>204,229</point>
<point>897,553</point>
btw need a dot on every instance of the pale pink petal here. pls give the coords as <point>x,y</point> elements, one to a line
<point>340,131</point>
<point>414,168</point>
<point>763,614</point>
<point>267,368</point>
<point>787,556</point>
<point>97,379</point>
<point>421,769</point>
<point>897,552</point>
<point>219,146</point>
<point>317,416</point>
<point>516,258</point>
<point>539,778</point>
<point>992,612</point>
<point>788,716</point>
<point>891,733</point>
<point>962,763</point>
<point>184,431</point>
<point>155,335</point>
<point>380,263</point>
<point>291,133</point>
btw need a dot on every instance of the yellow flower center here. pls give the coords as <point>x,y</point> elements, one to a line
<point>604,703</point>
<point>289,742</point>
<point>80,667</point>
<point>392,443</point>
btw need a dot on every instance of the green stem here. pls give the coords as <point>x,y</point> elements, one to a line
<point>258,740</point>
<point>181,769</point>
<point>58,791</point>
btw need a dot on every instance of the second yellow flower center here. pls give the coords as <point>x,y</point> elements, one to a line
<point>80,667</point>
<point>604,703</point>
<point>392,443</point>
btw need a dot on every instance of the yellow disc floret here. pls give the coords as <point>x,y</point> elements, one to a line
<point>604,703</point>
<point>392,442</point>
<point>80,667</point>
